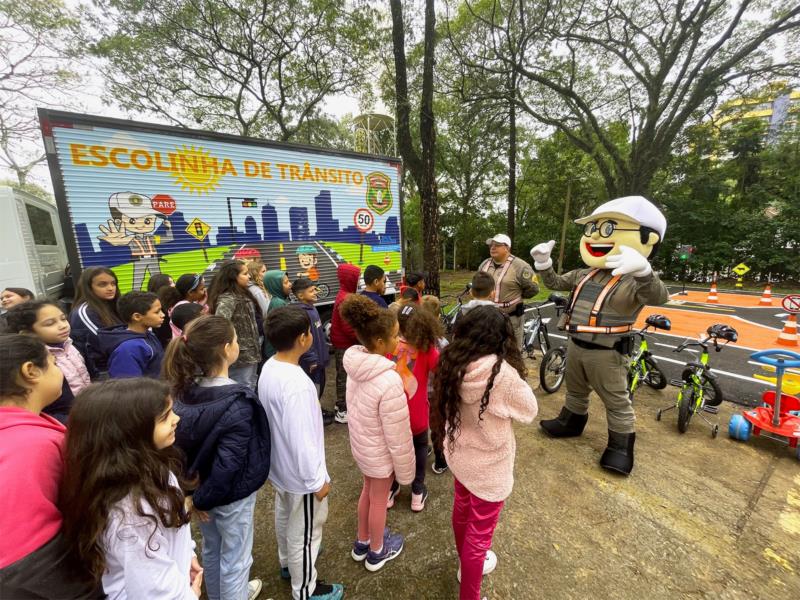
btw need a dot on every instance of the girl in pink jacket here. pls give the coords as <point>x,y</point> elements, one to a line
<point>45,320</point>
<point>480,389</point>
<point>379,426</point>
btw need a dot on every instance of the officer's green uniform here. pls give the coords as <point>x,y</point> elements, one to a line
<point>595,358</point>
<point>514,280</point>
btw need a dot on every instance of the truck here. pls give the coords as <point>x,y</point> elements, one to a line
<point>144,198</point>
<point>33,252</point>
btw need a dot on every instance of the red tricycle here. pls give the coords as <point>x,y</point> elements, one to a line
<point>779,417</point>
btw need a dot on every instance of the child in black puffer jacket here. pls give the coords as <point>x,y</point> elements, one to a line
<point>225,434</point>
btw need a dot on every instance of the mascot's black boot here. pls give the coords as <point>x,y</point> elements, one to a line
<point>567,424</point>
<point>619,452</point>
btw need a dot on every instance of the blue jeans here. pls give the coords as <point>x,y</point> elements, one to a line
<point>227,549</point>
<point>246,375</point>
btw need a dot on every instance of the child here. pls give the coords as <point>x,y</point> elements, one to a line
<point>133,350</point>
<point>416,281</point>
<point>163,287</point>
<point>125,516</point>
<point>33,556</point>
<point>225,435</point>
<point>183,315</point>
<point>229,298</point>
<point>95,307</point>
<point>9,298</point>
<point>375,285</point>
<point>189,289</point>
<point>416,356</point>
<point>433,305</point>
<point>257,270</point>
<point>315,361</point>
<point>408,296</point>
<point>279,287</point>
<point>45,320</point>
<point>298,474</point>
<point>380,430</point>
<point>342,335</point>
<point>480,292</point>
<point>480,388</point>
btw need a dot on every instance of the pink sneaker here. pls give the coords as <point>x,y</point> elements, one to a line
<point>418,500</point>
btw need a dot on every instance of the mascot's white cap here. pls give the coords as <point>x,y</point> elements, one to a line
<point>635,208</point>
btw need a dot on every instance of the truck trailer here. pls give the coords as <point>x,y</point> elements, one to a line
<point>143,198</point>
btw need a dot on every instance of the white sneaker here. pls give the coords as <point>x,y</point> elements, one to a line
<point>254,588</point>
<point>489,564</point>
<point>341,417</point>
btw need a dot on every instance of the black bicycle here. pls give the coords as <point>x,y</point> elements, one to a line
<point>534,333</point>
<point>449,313</point>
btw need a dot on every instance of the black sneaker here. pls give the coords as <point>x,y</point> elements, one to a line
<point>327,417</point>
<point>439,465</point>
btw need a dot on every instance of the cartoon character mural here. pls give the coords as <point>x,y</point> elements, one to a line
<point>307,257</point>
<point>618,239</point>
<point>133,222</point>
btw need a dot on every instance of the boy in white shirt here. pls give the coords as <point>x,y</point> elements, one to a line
<point>297,463</point>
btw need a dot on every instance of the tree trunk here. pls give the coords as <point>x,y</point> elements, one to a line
<point>512,159</point>
<point>422,167</point>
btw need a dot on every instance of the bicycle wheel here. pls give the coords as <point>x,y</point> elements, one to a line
<point>712,395</point>
<point>655,377</point>
<point>685,407</point>
<point>552,369</point>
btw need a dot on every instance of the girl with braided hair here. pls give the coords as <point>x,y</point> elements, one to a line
<point>479,389</point>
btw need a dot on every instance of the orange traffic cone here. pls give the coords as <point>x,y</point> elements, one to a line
<point>766,297</point>
<point>788,337</point>
<point>712,294</point>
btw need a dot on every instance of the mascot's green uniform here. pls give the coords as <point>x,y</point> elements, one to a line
<point>618,239</point>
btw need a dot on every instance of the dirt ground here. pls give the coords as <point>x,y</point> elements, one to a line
<point>699,517</point>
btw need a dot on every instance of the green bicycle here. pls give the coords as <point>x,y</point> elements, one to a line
<point>643,367</point>
<point>700,391</point>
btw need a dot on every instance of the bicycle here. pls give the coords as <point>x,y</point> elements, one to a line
<point>700,391</point>
<point>448,316</point>
<point>643,367</point>
<point>554,360</point>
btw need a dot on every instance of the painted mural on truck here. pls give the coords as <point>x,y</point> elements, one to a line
<point>144,203</point>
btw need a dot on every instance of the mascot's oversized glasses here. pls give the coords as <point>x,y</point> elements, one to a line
<point>606,228</point>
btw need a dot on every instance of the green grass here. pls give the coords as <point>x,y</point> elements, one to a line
<point>173,265</point>
<point>451,283</point>
<point>352,252</point>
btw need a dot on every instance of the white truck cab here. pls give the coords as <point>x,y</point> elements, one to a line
<point>32,250</point>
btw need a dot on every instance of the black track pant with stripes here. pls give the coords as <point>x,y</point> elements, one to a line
<point>298,524</point>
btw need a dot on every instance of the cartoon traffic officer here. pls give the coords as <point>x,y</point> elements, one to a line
<point>133,221</point>
<point>307,257</point>
<point>618,239</point>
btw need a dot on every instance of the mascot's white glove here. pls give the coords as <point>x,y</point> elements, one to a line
<point>628,261</point>
<point>541,255</point>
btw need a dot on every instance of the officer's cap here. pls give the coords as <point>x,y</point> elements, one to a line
<point>500,238</point>
<point>635,208</point>
<point>131,204</point>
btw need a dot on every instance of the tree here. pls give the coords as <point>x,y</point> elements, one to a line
<point>36,64</point>
<point>259,69</point>
<point>420,164</point>
<point>655,66</point>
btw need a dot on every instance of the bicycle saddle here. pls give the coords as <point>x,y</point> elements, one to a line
<point>557,300</point>
<point>726,332</point>
<point>659,322</point>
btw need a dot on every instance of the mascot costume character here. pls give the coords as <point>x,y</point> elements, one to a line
<point>618,239</point>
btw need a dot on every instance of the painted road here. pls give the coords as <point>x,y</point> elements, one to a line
<point>758,328</point>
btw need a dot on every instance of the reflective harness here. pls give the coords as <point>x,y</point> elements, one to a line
<point>499,281</point>
<point>592,326</point>
<point>144,247</point>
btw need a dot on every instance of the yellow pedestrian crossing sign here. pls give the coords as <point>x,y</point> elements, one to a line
<point>198,229</point>
<point>741,269</point>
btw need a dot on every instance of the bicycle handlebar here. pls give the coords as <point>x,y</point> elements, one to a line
<point>766,357</point>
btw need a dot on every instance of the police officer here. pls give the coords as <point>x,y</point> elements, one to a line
<point>514,280</point>
<point>618,239</point>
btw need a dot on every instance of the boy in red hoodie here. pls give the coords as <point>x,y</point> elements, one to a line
<point>342,335</point>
